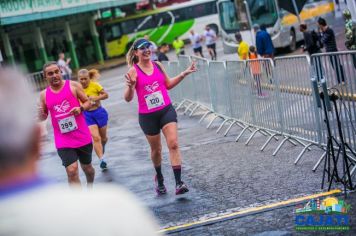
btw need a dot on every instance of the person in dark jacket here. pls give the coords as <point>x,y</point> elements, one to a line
<point>311,45</point>
<point>162,50</point>
<point>328,39</point>
<point>264,43</point>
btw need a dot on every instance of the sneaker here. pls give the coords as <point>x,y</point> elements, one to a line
<point>103,165</point>
<point>160,189</point>
<point>181,188</point>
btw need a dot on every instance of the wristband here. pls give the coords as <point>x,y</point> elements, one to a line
<point>81,108</point>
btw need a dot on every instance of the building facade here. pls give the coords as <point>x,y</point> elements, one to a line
<point>36,31</point>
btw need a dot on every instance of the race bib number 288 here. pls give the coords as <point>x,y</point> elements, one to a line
<point>154,100</point>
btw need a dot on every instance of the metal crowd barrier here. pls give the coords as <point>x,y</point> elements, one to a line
<point>37,81</point>
<point>273,98</point>
<point>339,71</point>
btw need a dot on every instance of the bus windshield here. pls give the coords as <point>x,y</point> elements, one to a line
<point>233,16</point>
<point>263,12</point>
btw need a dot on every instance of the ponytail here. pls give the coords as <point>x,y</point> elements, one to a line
<point>131,59</point>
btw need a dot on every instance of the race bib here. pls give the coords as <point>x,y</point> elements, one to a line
<point>154,100</point>
<point>67,125</point>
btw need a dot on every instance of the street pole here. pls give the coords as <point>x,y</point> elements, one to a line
<point>296,11</point>
<point>250,22</point>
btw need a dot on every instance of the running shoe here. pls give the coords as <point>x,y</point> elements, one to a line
<point>160,189</point>
<point>181,188</point>
<point>103,165</point>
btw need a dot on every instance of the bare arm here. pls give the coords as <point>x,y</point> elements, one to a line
<point>131,78</point>
<point>42,107</point>
<point>102,96</point>
<point>172,82</point>
<point>78,91</point>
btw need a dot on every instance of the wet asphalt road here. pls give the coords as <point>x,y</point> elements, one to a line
<point>223,176</point>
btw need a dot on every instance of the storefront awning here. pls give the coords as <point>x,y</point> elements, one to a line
<point>19,11</point>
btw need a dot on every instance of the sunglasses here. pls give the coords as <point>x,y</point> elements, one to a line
<point>51,73</point>
<point>144,47</point>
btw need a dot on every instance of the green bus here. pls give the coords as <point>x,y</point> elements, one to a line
<point>162,25</point>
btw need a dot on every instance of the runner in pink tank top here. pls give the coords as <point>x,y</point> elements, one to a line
<point>71,133</point>
<point>151,90</point>
<point>156,112</point>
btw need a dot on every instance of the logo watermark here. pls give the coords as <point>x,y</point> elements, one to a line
<point>323,214</point>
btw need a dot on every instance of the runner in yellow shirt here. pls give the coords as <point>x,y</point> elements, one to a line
<point>96,117</point>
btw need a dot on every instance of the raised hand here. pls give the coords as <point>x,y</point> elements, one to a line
<point>130,82</point>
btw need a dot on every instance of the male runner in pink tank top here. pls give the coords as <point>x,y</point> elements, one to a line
<point>71,133</point>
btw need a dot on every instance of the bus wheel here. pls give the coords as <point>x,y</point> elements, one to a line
<point>292,41</point>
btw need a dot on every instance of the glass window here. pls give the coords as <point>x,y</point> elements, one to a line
<point>128,26</point>
<point>263,12</point>
<point>233,16</point>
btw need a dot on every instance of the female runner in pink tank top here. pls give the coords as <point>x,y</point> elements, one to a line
<point>156,112</point>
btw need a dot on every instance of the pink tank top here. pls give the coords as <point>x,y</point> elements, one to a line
<point>69,131</point>
<point>151,90</point>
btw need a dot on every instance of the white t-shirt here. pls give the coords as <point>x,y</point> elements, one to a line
<point>64,67</point>
<point>210,37</point>
<point>58,210</point>
<point>153,49</point>
<point>195,40</point>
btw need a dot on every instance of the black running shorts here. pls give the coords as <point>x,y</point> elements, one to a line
<point>212,46</point>
<point>152,123</point>
<point>199,49</point>
<point>71,155</point>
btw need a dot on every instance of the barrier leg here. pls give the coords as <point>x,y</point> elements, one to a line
<point>251,136</point>
<point>194,109</point>
<point>211,122</point>
<point>303,144</point>
<point>241,133</point>
<point>292,142</point>
<point>228,129</point>
<point>267,142</point>
<point>280,146</point>
<point>205,115</point>
<point>302,152</point>
<point>187,109</point>
<point>222,125</point>
<point>319,161</point>
<point>180,105</point>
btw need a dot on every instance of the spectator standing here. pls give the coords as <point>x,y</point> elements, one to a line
<point>264,43</point>
<point>350,34</point>
<point>64,66</point>
<point>163,49</point>
<point>243,48</point>
<point>328,39</point>
<point>178,46</point>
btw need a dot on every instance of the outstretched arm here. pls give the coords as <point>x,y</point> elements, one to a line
<point>172,82</point>
<point>131,78</point>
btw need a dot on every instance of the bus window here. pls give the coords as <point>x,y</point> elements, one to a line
<point>263,12</point>
<point>128,26</point>
<point>116,32</point>
<point>231,18</point>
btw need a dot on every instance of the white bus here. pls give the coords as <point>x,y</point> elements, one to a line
<point>241,15</point>
<point>161,24</point>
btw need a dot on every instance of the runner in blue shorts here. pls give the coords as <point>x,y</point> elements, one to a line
<point>96,117</point>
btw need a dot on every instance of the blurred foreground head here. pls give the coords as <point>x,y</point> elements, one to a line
<point>19,134</point>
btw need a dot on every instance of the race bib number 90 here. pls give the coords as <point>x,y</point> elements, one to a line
<point>154,100</point>
<point>67,125</point>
